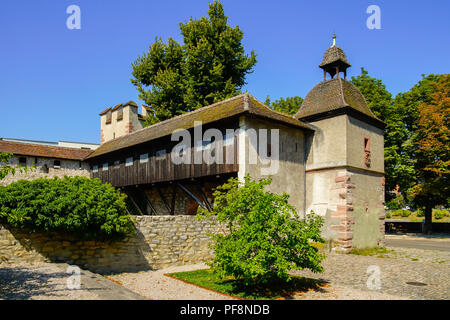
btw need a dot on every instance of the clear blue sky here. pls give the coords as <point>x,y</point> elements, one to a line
<point>54,81</point>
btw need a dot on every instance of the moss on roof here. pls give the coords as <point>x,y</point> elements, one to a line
<point>332,55</point>
<point>244,103</point>
<point>331,95</point>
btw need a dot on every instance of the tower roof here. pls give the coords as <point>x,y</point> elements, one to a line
<point>334,55</point>
<point>334,60</point>
<point>332,97</point>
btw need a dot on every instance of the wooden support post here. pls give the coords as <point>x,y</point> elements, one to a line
<point>135,204</point>
<point>148,201</point>
<point>191,195</point>
<point>163,198</point>
<point>205,199</point>
<point>174,193</point>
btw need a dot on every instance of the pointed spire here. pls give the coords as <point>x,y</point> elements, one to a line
<point>334,39</point>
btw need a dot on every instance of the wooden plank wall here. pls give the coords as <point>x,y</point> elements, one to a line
<point>162,169</point>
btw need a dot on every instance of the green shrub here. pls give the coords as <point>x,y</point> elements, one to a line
<point>388,215</point>
<point>401,213</point>
<point>396,203</point>
<point>439,214</point>
<point>265,237</point>
<point>420,213</point>
<point>72,205</point>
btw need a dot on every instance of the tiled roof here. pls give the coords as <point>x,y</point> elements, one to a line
<point>244,103</point>
<point>35,150</point>
<point>331,95</point>
<point>334,54</point>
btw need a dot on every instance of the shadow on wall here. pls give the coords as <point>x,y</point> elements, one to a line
<point>366,228</point>
<point>160,241</point>
<point>124,255</point>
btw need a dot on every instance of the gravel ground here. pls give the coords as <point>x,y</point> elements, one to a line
<point>346,275</point>
<point>154,285</point>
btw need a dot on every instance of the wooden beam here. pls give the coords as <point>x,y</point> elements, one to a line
<point>148,201</point>
<point>174,193</point>
<point>205,199</point>
<point>163,198</point>
<point>135,204</point>
<point>191,195</point>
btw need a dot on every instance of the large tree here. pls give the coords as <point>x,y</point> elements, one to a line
<point>289,105</point>
<point>399,165</point>
<point>433,150</point>
<point>210,65</point>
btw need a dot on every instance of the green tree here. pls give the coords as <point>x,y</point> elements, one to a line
<point>399,164</point>
<point>432,149</point>
<point>210,65</point>
<point>265,237</point>
<point>289,105</point>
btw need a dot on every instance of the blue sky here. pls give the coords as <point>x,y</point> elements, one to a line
<point>54,81</point>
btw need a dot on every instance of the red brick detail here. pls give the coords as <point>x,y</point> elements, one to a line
<point>342,179</point>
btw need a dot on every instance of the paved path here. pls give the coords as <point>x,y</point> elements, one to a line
<point>419,244</point>
<point>400,266</point>
<point>48,281</point>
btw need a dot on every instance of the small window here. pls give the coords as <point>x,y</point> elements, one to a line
<point>117,164</point>
<point>57,164</point>
<point>228,139</point>
<point>160,154</point>
<point>95,168</point>
<point>129,162</point>
<point>120,114</point>
<point>22,161</point>
<point>108,117</point>
<point>366,144</point>
<point>143,158</point>
<point>105,166</point>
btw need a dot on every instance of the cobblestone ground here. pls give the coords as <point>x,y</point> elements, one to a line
<point>398,266</point>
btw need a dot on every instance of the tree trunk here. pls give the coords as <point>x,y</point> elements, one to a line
<point>427,227</point>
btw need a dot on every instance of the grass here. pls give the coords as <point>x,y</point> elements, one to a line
<point>206,278</point>
<point>380,252</point>
<point>415,218</point>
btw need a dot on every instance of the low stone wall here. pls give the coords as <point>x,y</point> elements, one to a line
<point>160,241</point>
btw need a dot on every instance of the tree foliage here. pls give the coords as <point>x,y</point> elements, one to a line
<point>433,148</point>
<point>73,205</point>
<point>210,66</point>
<point>399,163</point>
<point>265,237</point>
<point>289,105</point>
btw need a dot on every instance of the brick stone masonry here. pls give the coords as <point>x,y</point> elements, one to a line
<point>160,241</point>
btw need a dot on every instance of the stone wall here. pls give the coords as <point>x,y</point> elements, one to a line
<point>160,241</point>
<point>44,168</point>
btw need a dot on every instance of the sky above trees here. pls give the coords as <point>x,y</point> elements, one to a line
<point>54,81</point>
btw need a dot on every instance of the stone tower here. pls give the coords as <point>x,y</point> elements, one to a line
<point>344,157</point>
<point>121,120</point>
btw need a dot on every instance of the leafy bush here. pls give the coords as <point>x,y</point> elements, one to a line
<point>265,237</point>
<point>396,203</point>
<point>74,205</point>
<point>439,214</point>
<point>388,215</point>
<point>420,213</point>
<point>401,212</point>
